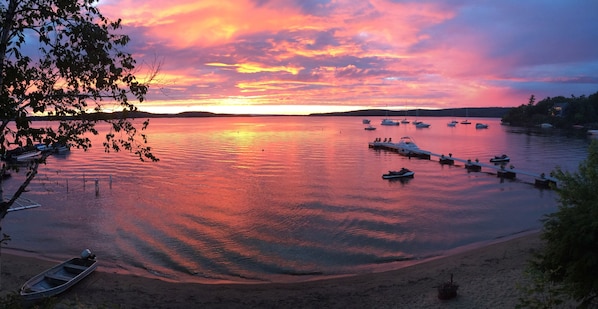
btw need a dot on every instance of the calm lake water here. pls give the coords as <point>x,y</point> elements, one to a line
<point>260,199</point>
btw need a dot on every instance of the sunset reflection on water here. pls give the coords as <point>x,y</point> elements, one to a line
<point>257,199</point>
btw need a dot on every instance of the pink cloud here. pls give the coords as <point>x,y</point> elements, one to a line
<point>426,54</point>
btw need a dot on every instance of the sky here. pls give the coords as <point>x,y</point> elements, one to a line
<point>310,56</point>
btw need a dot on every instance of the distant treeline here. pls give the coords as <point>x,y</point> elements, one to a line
<point>474,112</point>
<point>561,112</point>
<point>492,112</point>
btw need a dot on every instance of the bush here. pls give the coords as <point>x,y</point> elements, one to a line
<point>566,268</point>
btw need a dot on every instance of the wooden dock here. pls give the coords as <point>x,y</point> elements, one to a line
<point>502,170</point>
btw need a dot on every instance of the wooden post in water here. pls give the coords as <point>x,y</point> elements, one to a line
<point>97,187</point>
<point>67,186</point>
<point>110,182</point>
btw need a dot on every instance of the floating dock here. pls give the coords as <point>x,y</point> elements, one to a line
<point>502,171</point>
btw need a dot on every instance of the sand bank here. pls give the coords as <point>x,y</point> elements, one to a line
<point>488,278</point>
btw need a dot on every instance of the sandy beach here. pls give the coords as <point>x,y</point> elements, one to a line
<point>487,276</point>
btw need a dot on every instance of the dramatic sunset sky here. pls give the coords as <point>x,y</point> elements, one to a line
<point>304,56</point>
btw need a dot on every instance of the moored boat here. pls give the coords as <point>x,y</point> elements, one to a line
<point>389,122</point>
<point>28,156</point>
<point>422,125</point>
<point>365,121</point>
<point>403,173</point>
<point>406,146</point>
<point>501,158</point>
<point>370,128</point>
<point>59,278</point>
<point>481,126</point>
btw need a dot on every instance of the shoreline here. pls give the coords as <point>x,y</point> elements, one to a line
<point>488,277</point>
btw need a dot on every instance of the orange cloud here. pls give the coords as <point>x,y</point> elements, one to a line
<point>363,53</point>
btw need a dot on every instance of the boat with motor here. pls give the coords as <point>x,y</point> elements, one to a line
<point>370,128</point>
<point>389,122</point>
<point>452,123</point>
<point>422,125</point>
<point>481,126</point>
<point>59,278</point>
<point>406,146</point>
<point>500,159</point>
<point>22,154</point>
<point>466,116</point>
<point>403,173</point>
<point>365,121</point>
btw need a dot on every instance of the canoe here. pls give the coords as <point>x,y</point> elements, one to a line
<point>59,278</point>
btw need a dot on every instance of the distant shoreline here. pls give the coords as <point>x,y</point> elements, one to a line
<point>476,112</point>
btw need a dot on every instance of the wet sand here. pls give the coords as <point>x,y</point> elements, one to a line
<point>488,277</point>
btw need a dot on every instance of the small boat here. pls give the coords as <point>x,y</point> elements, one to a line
<point>404,120</point>
<point>452,123</point>
<point>545,125</point>
<point>389,122</point>
<point>422,125</point>
<point>501,158</point>
<point>28,156</point>
<point>55,148</point>
<point>466,115</point>
<point>407,147</point>
<point>403,173</point>
<point>370,128</point>
<point>59,278</point>
<point>481,126</point>
<point>62,149</point>
<point>365,121</point>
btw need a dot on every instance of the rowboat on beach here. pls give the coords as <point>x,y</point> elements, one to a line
<point>59,278</point>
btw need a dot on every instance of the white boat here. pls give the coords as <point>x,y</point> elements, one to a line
<point>545,125</point>
<point>59,278</point>
<point>28,156</point>
<point>407,146</point>
<point>422,125</point>
<point>501,158</point>
<point>365,121</point>
<point>481,126</point>
<point>592,132</point>
<point>404,120</point>
<point>403,173</point>
<point>370,128</point>
<point>452,123</point>
<point>389,122</point>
